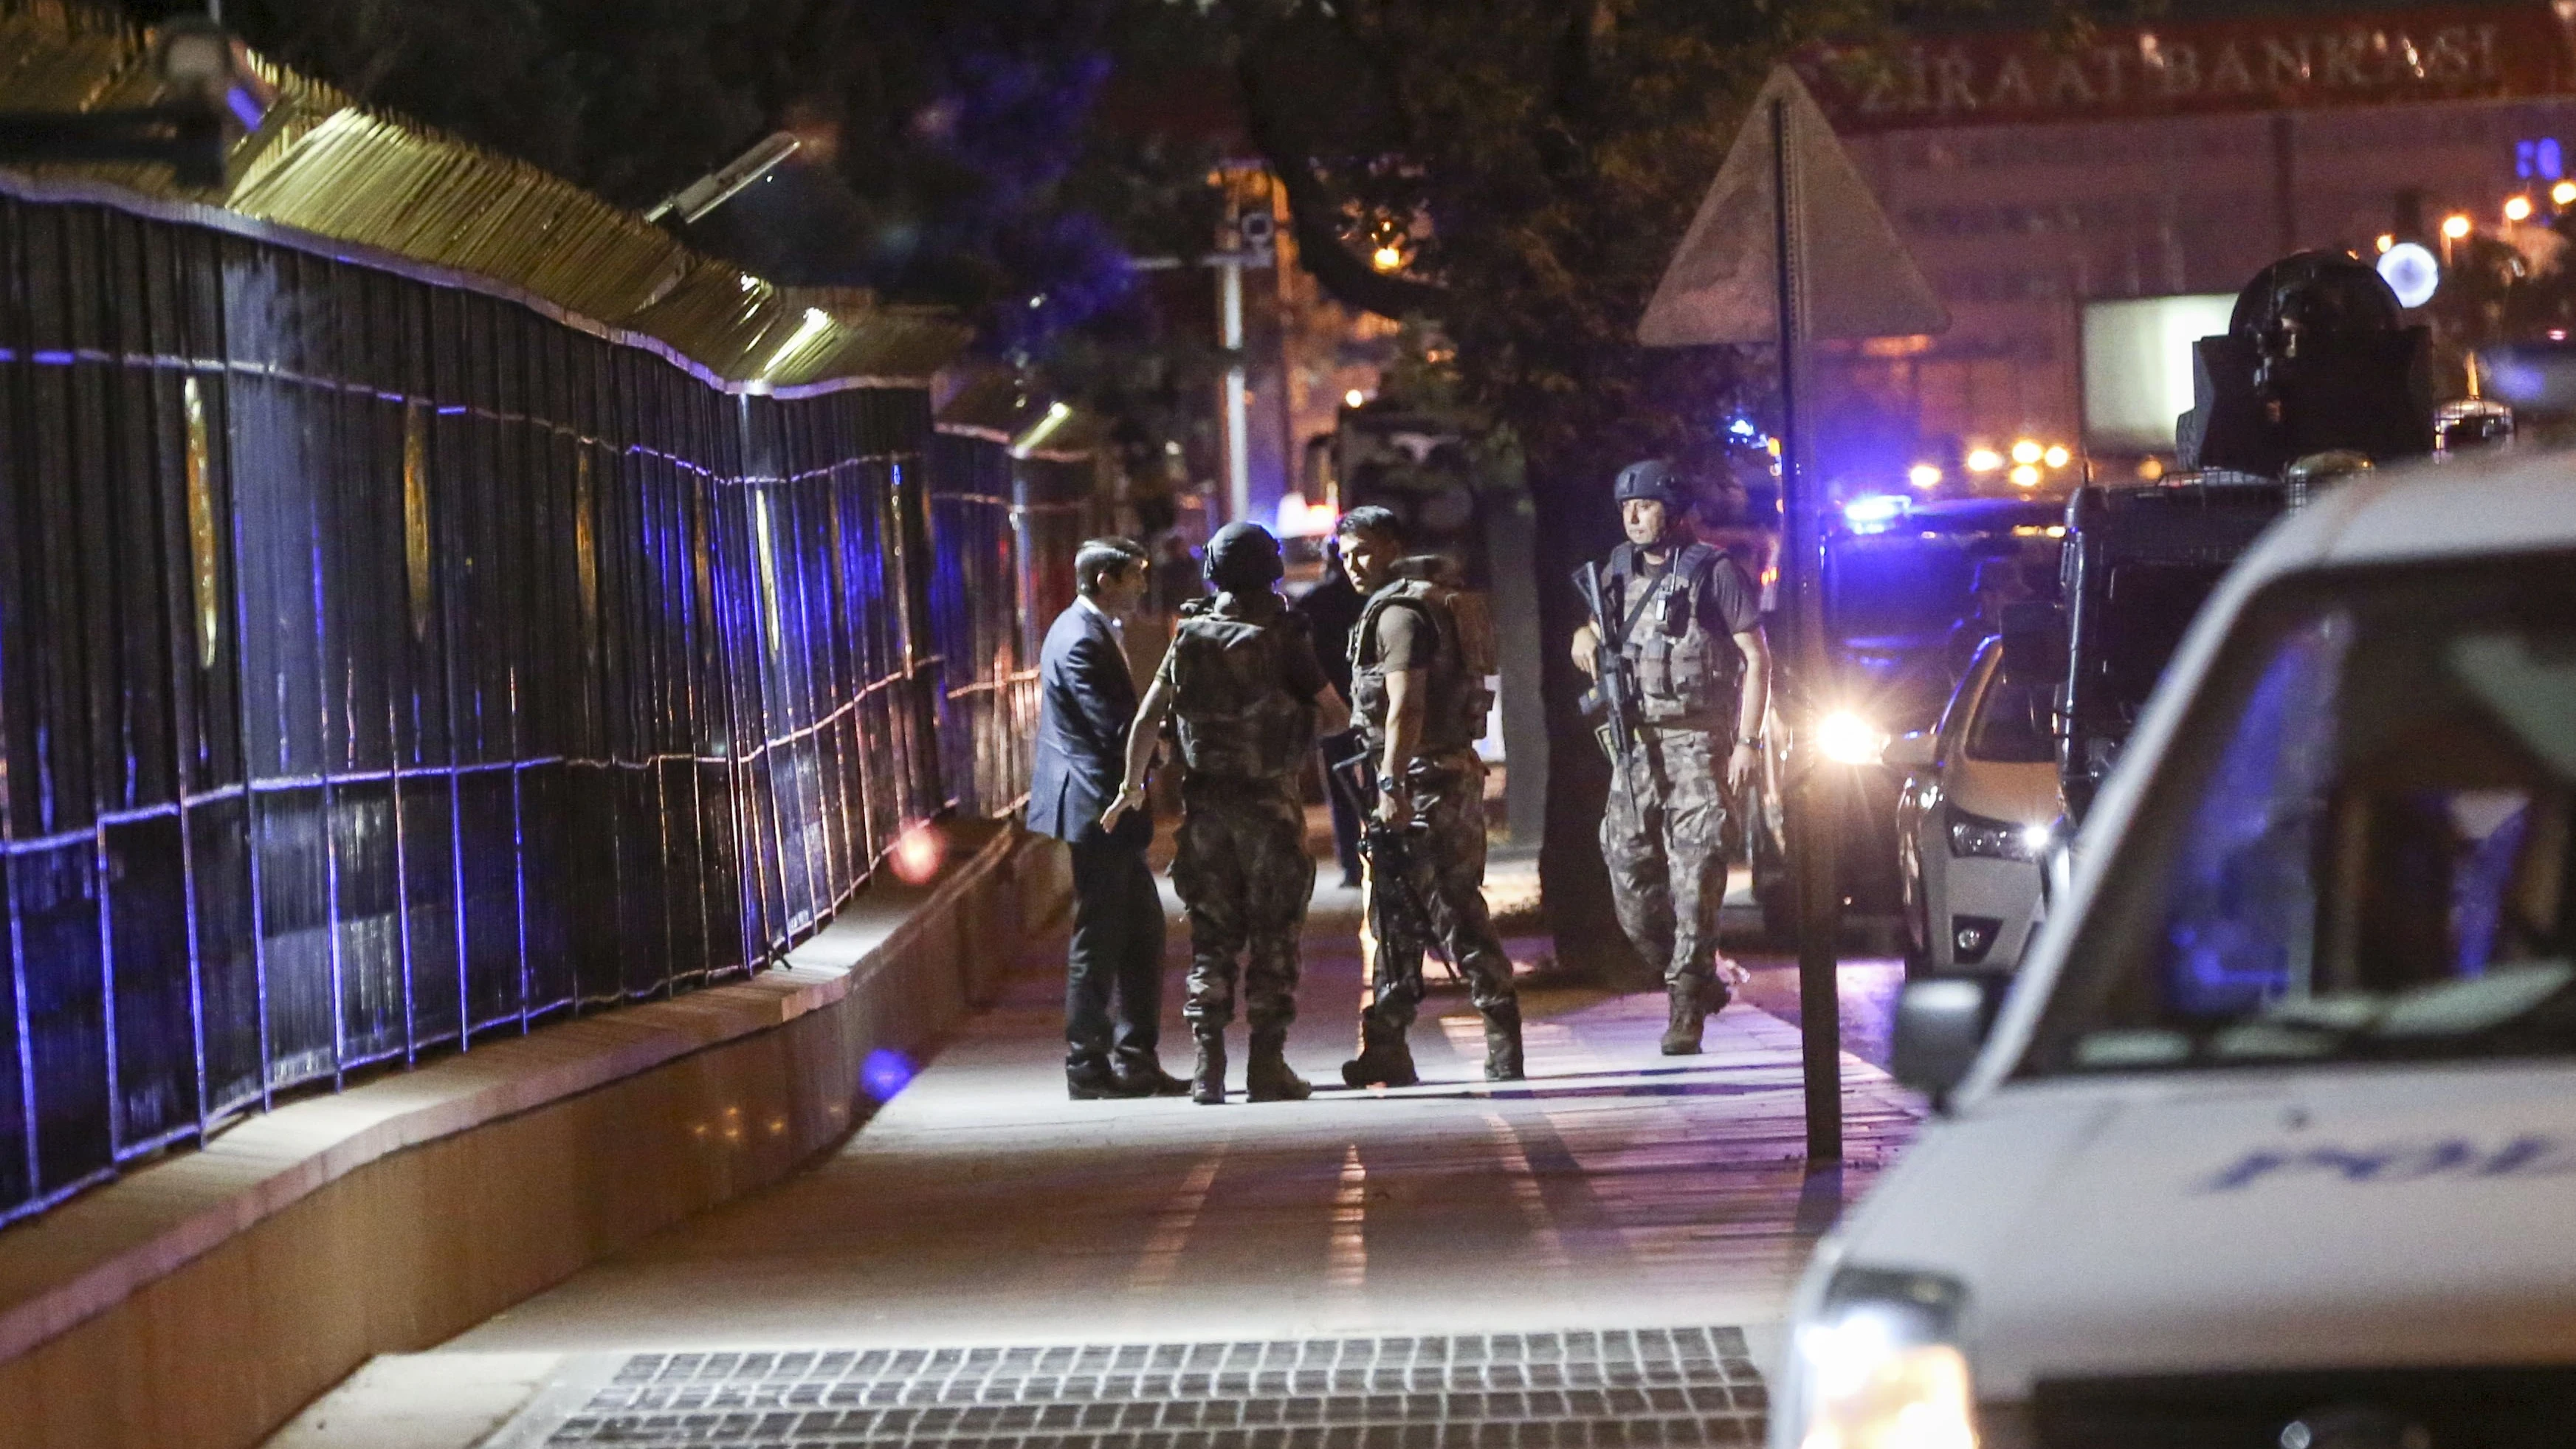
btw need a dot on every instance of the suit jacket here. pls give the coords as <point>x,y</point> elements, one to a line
<point>1086,701</point>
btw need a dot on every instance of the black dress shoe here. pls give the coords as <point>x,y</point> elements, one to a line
<point>1153,1081</point>
<point>1098,1086</point>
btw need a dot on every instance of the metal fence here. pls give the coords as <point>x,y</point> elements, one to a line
<point>386,663</point>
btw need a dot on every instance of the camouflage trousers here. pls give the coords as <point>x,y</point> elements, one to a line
<point>1665,846</point>
<point>1244,877</point>
<point>1446,880</point>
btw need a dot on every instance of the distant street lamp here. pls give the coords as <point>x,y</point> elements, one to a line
<point>2517,208</point>
<point>717,187</point>
<point>2563,194</point>
<point>2455,228</point>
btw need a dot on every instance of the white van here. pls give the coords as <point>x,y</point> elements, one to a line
<point>2273,1142</point>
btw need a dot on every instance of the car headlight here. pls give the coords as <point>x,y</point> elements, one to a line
<point>1878,1367</point>
<point>1994,839</point>
<point>1846,738</point>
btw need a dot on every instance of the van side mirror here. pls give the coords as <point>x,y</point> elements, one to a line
<point>2034,642</point>
<point>1941,1024</point>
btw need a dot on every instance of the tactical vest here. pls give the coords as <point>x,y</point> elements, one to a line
<point>1230,702</point>
<point>1687,677</point>
<point>1463,654</point>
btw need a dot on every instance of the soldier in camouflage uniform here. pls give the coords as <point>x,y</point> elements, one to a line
<point>1243,690</point>
<point>1687,626</point>
<point>1421,702</point>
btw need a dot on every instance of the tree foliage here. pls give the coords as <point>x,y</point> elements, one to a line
<point>1541,160</point>
<point>950,152</point>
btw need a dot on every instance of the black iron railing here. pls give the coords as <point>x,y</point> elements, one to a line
<point>387,662</point>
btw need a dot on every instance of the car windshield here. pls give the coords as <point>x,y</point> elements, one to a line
<point>2011,727</point>
<point>2366,855</point>
<point>1898,585</point>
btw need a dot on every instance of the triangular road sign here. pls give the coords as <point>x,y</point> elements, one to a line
<point>1723,284</point>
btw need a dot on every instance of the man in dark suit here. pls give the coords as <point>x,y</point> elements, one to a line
<point>1086,702</point>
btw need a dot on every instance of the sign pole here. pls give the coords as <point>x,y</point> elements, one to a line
<point>1810,822</point>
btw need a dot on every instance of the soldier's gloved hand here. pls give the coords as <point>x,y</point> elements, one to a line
<point>1732,973</point>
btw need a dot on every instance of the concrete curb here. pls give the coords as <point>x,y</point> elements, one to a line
<point>203,1300</point>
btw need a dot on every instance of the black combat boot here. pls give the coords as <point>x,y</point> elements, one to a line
<point>1266,1074</point>
<point>1503,1043</point>
<point>1207,1084</point>
<point>1689,1014</point>
<point>1384,1059</point>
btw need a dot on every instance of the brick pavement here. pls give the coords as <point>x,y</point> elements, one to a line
<point>1616,1189</point>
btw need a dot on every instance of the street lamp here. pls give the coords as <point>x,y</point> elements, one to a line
<point>717,187</point>
<point>2517,208</point>
<point>2563,194</point>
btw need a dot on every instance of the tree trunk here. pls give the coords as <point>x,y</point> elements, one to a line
<point>1571,498</point>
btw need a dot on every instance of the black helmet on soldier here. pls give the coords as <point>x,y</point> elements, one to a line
<point>1243,558</point>
<point>1657,479</point>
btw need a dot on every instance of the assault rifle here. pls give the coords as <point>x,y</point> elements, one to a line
<point>1389,849</point>
<point>1613,695</point>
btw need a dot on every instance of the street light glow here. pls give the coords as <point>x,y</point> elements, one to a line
<point>2057,456</point>
<point>2385,242</point>
<point>2025,476</point>
<point>1354,398</point>
<point>1923,475</point>
<point>2025,451</point>
<point>1984,460</point>
<point>2563,194</point>
<point>1387,258</point>
<point>2456,225</point>
<point>2517,208</point>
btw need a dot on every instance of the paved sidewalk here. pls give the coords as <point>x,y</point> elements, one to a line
<point>1614,1189</point>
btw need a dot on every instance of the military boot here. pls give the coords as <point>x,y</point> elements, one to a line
<point>1207,1084</point>
<point>1689,1014</point>
<point>1503,1043</point>
<point>1266,1076</point>
<point>1384,1059</point>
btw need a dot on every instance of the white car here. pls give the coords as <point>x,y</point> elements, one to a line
<point>1973,818</point>
<point>2274,1140</point>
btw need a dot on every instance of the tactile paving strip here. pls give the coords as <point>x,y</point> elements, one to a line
<point>1612,1387</point>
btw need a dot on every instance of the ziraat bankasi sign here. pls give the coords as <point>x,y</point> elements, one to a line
<point>2493,52</point>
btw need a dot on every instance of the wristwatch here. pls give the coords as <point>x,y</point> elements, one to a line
<point>1754,743</point>
<point>1389,785</point>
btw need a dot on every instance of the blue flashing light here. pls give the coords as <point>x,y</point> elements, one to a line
<point>884,1073</point>
<point>1875,511</point>
<point>2411,272</point>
